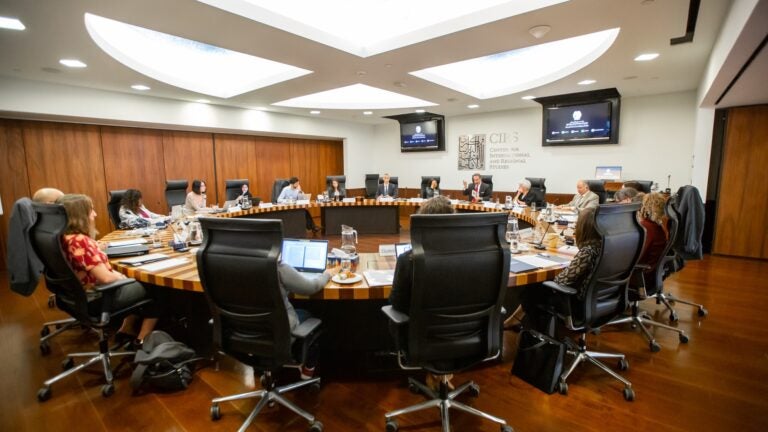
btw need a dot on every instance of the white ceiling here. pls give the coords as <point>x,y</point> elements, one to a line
<point>55,30</point>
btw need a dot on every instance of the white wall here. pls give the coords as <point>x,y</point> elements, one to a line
<point>656,139</point>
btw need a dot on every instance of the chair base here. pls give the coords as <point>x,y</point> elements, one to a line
<point>103,356</point>
<point>59,327</point>
<point>581,354</point>
<point>667,298</point>
<point>444,401</point>
<point>642,319</point>
<point>273,394</point>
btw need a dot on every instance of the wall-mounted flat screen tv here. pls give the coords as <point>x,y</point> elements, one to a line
<point>421,132</point>
<point>581,118</point>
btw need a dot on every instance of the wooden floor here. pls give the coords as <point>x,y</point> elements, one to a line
<point>717,382</point>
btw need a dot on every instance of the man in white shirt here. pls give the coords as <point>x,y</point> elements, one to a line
<point>584,197</point>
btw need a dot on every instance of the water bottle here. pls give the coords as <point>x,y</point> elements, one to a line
<point>512,235</point>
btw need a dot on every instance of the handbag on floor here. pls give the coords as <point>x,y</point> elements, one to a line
<point>163,363</point>
<point>539,360</point>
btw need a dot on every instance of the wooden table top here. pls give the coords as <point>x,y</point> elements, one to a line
<point>185,276</point>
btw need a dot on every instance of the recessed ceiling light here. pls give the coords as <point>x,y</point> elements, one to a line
<point>355,96</point>
<point>521,69</point>
<point>73,63</point>
<point>205,101</point>
<point>140,87</point>
<point>528,97</point>
<point>587,82</point>
<point>420,111</point>
<point>372,27</point>
<point>539,31</point>
<point>11,23</point>
<point>185,63</point>
<point>314,112</point>
<point>646,56</point>
<point>367,112</point>
<point>473,106</point>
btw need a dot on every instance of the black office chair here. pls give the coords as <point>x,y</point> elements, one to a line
<point>113,206</point>
<point>371,185</point>
<point>605,296</point>
<point>488,179</point>
<point>426,181</point>
<point>392,179</point>
<point>642,288</point>
<point>539,189</point>
<point>237,263</point>
<point>96,313</point>
<point>175,192</point>
<point>640,185</point>
<point>233,188</point>
<point>598,187</point>
<point>460,275</point>
<point>277,187</point>
<point>342,179</point>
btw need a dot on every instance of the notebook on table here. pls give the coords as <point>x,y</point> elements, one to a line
<point>309,257</point>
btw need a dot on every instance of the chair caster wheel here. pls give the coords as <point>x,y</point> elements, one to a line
<point>673,317</point>
<point>316,426</point>
<point>44,394</point>
<point>683,338</point>
<point>703,312</point>
<point>107,390</point>
<point>629,394</point>
<point>215,412</point>
<point>391,426</point>
<point>624,364</point>
<point>596,331</point>
<point>655,347</point>
<point>507,428</point>
<point>413,388</point>
<point>45,331</point>
<point>474,390</point>
<point>45,349</point>
<point>315,388</point>
<point>562,388</point>
<point>68,363</point>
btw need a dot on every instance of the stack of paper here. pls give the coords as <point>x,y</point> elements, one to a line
<point>162,265</point>
<point>128,242</point>
<point>379,277</point>
<point>537,261</point>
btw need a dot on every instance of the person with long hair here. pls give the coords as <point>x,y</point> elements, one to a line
<point>336,192</point>
<point>433,190</point>
<point>132,212</point>
<point>92,267</point>
<point>196,198</point>
<point>654,220</point>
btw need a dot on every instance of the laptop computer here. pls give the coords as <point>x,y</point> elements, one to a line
<point>401,248</point>
<point>608,173</point>
<point>229,204</point>
<point>309,257</point>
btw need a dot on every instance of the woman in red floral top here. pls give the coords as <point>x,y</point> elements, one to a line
<point>90,263</point>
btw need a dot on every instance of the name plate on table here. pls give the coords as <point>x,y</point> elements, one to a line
<point>489,204</point>
<point>517,210</point>
<point>302,202</point>
<point>454,201</point>
<point>416,200</point>
<point>234,209</point>
<point>265,205</point>
<point>386,199</point>
<point>348,200</point>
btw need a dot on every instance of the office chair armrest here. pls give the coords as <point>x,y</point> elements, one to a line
<point>564,289</point>
<point>394,315</point>
<point>114,285</point>
<point>306,328</point>
<point>643,267</point>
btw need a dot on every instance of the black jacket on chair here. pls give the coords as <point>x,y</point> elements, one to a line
<point>24,267</point>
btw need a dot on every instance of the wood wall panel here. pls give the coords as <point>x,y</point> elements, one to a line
<point>274,161</point>
<point>327,157</point>
<point>741,215</point>
<point>189,155</point>
<point>14,183</point>
<point>68,157</point>
<point>236,158</point>
<point>133,159</point>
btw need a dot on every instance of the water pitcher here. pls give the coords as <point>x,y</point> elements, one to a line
<point>348,239</point>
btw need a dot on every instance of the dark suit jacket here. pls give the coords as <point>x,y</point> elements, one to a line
<point>527,198</point>
<point>24,267</point>
<point>391,190</point>
<point>400,296</point>
<point>429,192</point>
<point>342,193</point>
<point>485,191</point>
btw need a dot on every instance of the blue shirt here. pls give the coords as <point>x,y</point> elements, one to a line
<point>288,193</point>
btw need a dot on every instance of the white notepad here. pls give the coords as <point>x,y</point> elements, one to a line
<point>537,261</point>
<point>379,277</point>
<point>134,241</point>
<point>139,260</point>
<point>162,265</point>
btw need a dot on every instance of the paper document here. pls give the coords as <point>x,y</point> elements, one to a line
<point>387,250</point>
<point>379,277</point>
<point>537,261</point>
<point>127,242</point>
<point>144,259</point>
<point>516,266</point>
<point>162,265</point>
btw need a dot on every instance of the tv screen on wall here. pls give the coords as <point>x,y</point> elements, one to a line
<point>421,132</point>
<point>581,118</point>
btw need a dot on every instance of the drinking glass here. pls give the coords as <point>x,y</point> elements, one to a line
<point>533,207</point>
<point>346,267</point>
<point>155,238</point>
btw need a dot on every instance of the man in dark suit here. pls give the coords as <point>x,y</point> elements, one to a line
<point>386,189</point>
<point>478,191</point>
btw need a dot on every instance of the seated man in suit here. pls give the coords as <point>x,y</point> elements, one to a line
<point>584,198</point>
<point>524,195</point>
<point>478,191</point>
<point>386,189</point>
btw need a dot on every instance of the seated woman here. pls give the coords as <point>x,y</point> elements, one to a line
<point>433,190</point>
<point>336,192</point>
<point>132,212</point>
<point>524,195</point>
<point>576,275</point>
<point>654,220</point>
<point>196,198</point>
<point>244,194</point>
<point>92,267</point>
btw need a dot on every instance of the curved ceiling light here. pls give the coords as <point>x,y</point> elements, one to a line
<point>356,96</point>
<point>185,63</point>
<point>521,69</point>
<point>369,27</point>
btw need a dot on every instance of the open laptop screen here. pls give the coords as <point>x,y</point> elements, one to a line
<point>305,255</point>
<point>401,248</point>
<point>608,173</point>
